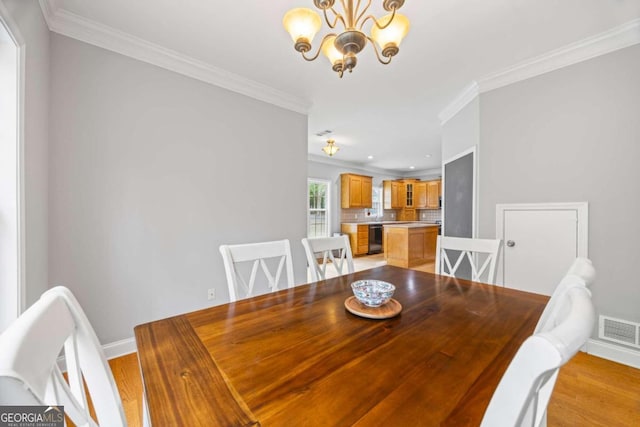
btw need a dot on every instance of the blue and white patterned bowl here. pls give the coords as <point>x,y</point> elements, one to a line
<point>372,293</point>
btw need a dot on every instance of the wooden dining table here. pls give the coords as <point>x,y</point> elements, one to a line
<point>297,357</point>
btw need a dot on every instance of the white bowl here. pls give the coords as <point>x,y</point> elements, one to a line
<point>373,293</point>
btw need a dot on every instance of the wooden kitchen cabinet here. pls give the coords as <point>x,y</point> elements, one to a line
<point>392,195</point>
<point>358,237</point>
<point>407,214</point>
<point>355,191</point>
<point>408,245</point>
<point>420,190</point>
<point>434,191</point>
<point>409,199</point>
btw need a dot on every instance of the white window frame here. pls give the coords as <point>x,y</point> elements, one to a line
<point>327,203</point>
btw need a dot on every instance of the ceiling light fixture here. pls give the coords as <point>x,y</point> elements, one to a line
<point>330,148</point>
<point>341,48</point>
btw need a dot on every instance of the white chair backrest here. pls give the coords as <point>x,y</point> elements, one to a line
<point>581,273</point>
<point>524,391</point>
<point>326,247</point>
<point>481,254</point>
<point>257,253</point>
<point>30,349</point>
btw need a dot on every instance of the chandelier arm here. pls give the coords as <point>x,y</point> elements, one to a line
<point>376,23</point>
<point>355,24</point>
<point>375,49</point>
<point>314,57</point>
<point>337,16</point>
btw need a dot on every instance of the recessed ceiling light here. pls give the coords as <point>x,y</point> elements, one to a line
<point>369,157</point>
<point>428,155</point>
<point>412,167</point>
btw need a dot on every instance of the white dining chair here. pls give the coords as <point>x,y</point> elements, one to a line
<point>29,372</point>
<point>523,393</point>
<point>256,255</point>
<point>325,247</point>
<point>481,254</point>
<point>580,273</point>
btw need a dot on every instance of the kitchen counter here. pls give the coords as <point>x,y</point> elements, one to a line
<point>411,225</point>
<point>389,222</point>
<point>410,244</point>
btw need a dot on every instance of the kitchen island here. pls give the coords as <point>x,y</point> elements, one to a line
<point>410,244</point>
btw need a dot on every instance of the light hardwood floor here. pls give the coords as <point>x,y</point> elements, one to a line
<point>590,391</point>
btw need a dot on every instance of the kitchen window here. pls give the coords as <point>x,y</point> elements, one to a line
<point>376,203</point>
<point>318,208</point>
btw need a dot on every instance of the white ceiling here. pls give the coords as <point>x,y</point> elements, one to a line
<point>390,111</point>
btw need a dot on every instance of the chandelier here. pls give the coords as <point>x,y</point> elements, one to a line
<point>330,148</point>
<point>342,48</point>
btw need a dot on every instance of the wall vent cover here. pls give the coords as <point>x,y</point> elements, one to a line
<point>620,331</point>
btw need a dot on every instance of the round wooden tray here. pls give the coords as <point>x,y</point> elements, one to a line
<point>390,309</point>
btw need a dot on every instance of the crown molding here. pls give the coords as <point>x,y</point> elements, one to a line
<point>620,37</point>
<point>600,44</point>
<point>359,167</point>
<point>433,173</point>
<point>331,161</point>
<point>71,25</point>
<point>467,95</point>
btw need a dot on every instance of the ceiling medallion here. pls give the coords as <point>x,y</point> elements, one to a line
<point>342,48</point>
<point>330,148</point>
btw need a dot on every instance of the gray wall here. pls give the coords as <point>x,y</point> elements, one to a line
<point>150,172</point>
<point>462,131</point>
<point>568,136</point>
<point>28,17</point>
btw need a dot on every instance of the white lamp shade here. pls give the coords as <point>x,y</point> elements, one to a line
<point>302,23</point>
<point>393,34</point>
<point>330,51</point>
<point>330,149</point>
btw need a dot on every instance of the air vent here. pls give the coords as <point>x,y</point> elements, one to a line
<point>620,331</point>
<point>324,132</point>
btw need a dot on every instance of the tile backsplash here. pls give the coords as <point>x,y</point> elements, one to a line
<point>362,215</point>
<point>431,215</point>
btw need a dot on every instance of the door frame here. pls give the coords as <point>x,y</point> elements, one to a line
<point>14,33</point>
<point>474,203</point>
<point>582,232</point>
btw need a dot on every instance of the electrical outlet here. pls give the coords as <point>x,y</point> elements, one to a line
<point>424,215</point>
<point>393,216</point>
<point>211,294</point>
<point>356,216</point>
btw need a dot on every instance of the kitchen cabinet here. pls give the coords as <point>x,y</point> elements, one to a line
<point>420,194</point>
<point>408,245</point>
<point>392,195</point>
<point>407,214</point>
<point>355,191</point>
<point>358,237</point>
<point>434,191</point>
<point>408,193</point>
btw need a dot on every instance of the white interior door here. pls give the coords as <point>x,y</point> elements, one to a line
<point>540,243</point>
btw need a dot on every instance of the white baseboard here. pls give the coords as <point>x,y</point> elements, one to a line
<point>119,348</point>
<point>111,351</point>
<point>614,353</point>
